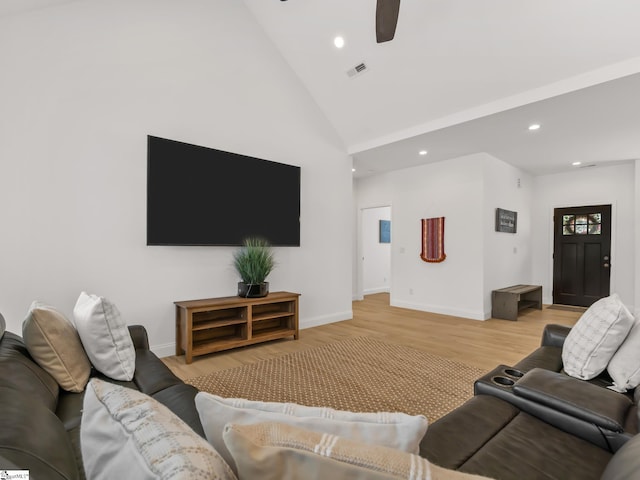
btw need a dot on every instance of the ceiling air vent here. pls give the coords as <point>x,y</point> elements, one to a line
<point>357,70</point>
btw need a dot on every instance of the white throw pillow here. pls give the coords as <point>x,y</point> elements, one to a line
<point>595,338</point>
<point>624,367</point>
<point>274,451</point>
<point>105,337</point>
<point>127,434</point>
<point>395,430</point>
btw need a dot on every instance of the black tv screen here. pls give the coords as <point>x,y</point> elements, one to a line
<point>202,196</point>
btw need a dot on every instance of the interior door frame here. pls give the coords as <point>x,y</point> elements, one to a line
<point>359,284</point>
<point>547,295</point>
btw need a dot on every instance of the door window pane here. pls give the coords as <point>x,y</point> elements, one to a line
<point>595,229</point>
<point>589,224</point>
<point>568,222</point>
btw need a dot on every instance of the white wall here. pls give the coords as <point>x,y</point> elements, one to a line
<point>613,185</point>
<point>507,256</point>
<point>637,237</point>
<point>434,190</point>
<point>376,263</point>
<point>82,85</point>
<point>466,191</point>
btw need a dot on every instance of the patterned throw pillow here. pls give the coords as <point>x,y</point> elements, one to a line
<point>127,434</point>
<point>395,430</point>
<point>274,451</point>
<point>105,337</point>
<point>595,338</point>
<point>54,344</point>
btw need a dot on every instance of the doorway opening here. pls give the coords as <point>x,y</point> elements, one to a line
<point>375,241</point>
<point>582,254</point>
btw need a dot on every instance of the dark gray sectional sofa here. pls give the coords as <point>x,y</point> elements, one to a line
<point>532,421</point>
<point>536,424</point>
<point>40,423</point>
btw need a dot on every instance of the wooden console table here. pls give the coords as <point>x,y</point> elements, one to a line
<point>507,302</point>
<point>215,324</point>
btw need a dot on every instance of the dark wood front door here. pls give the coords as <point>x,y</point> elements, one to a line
<point>582,254</point>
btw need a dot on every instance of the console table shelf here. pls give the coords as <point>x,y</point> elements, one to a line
<point>215,324</point>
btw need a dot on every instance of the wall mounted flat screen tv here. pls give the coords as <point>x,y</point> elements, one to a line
<point>202,196</point>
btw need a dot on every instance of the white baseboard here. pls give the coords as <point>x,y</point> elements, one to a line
<point>441,310</point>
<point>169,349</point>
<point>357,298</point>
<point>164,350</point>
<point>371,291</point>
<point>326,319</point>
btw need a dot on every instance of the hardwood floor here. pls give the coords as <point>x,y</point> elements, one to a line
<point>481,344</point>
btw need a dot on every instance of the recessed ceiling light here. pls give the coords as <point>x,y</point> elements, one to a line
<point>534,126</point>
<point>338,42</point>
<point>423,152</point>
<point>575,164</point>
<point>353,169</point>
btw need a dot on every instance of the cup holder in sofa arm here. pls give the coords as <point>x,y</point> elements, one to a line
<point>502,381</point>
<point>512,372</point>
<point>574,397</point>
<point>498,382</point>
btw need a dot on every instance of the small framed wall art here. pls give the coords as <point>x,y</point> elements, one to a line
<point>385,231</point>
<point>506,221</point>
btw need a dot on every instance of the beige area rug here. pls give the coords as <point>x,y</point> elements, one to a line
<point>359,374</point>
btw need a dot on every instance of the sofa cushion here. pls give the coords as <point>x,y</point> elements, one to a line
<point>21,373</point>
<point>547,357</point>
<point>127,434</point>
<point>54,343</point>
<point>488,436</point>
<point>595,338</point>
<point>3,326</point>
<point>33,438</point>
<point>180,399</point>
<point>152,375</point>
<point>530,449</point>
<point>624,367</point>
<point>105,336</point>
<point>395,430</point>
<point>625,464</point>
<point>453,439</point>
<point>275,451</point>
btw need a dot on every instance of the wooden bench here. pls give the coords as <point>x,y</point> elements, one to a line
<point>507,302</point>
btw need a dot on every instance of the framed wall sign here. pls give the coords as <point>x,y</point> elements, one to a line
<point>506,221</point>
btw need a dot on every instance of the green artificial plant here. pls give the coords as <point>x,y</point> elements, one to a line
<point>254,261</point>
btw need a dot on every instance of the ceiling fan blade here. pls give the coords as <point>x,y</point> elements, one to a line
<point>386,19</point>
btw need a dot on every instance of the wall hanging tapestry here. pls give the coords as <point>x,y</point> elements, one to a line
<point>433,240</point>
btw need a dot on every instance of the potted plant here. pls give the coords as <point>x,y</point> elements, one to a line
<point>253,262</point>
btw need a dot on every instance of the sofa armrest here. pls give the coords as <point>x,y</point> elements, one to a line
<point>139,337</point>
<point>554,335</point>
<point>576,398</point>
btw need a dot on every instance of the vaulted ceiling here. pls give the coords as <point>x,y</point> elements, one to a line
<point>464,76</point>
